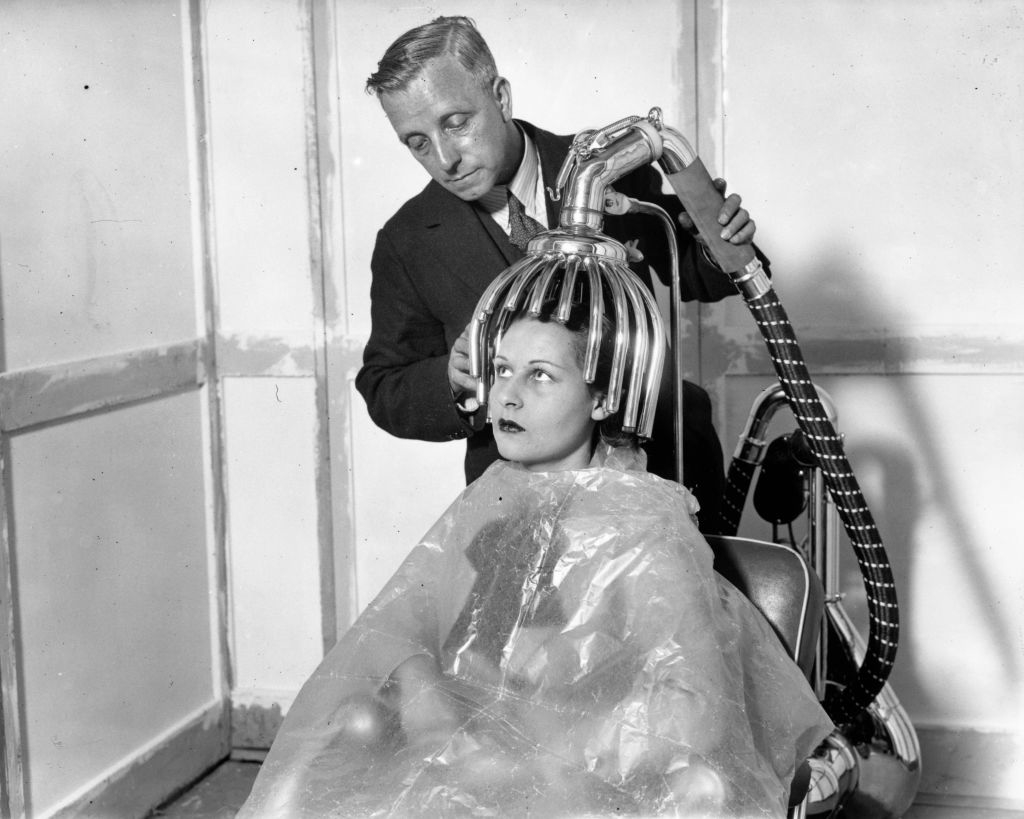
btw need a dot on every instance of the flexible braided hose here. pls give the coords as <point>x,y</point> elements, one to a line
<point>692,184</point>
<point>734,497</point>
<point>883,612</point>
<point>586,178</point>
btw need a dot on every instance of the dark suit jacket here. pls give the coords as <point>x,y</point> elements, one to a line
<point>431,263</point>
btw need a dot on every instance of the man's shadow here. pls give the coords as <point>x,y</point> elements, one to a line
<point>902,479</point>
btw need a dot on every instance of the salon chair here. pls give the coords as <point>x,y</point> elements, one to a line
<point>780,584</point>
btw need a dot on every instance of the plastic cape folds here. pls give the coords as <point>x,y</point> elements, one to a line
<point>595,664</point>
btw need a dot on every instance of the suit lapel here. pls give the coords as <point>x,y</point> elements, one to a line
<point>552,150</point>
<point>509,251</point>
<point>466,243</point>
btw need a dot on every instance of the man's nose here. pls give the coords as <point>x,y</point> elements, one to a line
<point>448,155</point>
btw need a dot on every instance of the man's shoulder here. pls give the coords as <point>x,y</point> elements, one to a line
<point>546,140</point>
<point>421,210</point>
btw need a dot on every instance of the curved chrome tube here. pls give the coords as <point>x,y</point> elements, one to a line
<point>577,258</point>
<point>617,203</point>
<point>750,452</point>
<point>556,267</point>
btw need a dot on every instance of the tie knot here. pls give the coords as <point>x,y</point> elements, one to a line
<point>521,226</point>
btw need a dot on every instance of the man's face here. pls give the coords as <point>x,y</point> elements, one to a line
<point>461,133</point>
<point>542,411</point>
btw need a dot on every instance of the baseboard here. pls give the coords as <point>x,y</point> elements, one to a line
<point>972,803</point>
<point>255,718</point>
<point>149,777</point>
<point>248,754</point>
<point>971,767</point>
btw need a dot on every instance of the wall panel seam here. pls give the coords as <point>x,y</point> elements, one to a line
<point>58,392</point>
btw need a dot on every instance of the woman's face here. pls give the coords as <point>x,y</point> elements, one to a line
<point>542,411</point>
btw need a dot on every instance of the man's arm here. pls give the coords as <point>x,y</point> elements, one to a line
<point>404,377</point>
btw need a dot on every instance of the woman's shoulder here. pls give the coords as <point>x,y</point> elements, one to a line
<point>616,483</point>
<point>635,480</point>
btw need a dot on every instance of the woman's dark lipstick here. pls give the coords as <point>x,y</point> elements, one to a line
<point>509,426</point>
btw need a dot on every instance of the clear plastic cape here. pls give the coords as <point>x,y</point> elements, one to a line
<point>597,664</point>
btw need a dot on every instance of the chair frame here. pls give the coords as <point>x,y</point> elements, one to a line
<point>782,586</point>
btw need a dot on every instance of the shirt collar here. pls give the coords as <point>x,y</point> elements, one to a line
<point>524,185</point>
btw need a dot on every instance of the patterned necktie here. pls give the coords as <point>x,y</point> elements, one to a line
<point>522,226</point>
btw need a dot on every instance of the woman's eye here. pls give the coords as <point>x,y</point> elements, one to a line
<point>501,370</point>
<point>541,375</point>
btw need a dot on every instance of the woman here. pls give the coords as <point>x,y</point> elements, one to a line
<point>558,644</point>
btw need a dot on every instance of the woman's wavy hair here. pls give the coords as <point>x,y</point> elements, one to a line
<point>610,429</point>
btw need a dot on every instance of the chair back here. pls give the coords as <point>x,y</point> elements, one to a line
<point>780,584</point>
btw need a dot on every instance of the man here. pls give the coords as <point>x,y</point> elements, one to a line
<point>442,94</point>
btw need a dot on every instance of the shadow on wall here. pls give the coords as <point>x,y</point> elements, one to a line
<point>904,478</point>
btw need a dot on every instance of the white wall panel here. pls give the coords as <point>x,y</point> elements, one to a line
<point>400,488</point>
<point>879,149</point>
<point>270,446</point>
<point>875,145</point>
<point>95,241</point>
<point>114,585</point>
<point>256,58</point>
<point>265,251</point>
<point>111,647</point>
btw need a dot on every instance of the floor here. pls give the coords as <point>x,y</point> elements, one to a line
<point>220,794</point>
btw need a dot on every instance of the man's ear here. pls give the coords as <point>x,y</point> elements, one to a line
<point>600,410</point>
<point>502,91</point>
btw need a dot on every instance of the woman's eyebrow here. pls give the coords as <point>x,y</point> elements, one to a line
<point>533,362</point>
<point>547,362</point>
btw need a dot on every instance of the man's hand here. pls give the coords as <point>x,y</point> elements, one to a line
<point>462,383</point>
<point>737,226</point>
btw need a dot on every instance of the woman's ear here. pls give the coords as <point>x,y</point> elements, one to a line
<point>600,410</point>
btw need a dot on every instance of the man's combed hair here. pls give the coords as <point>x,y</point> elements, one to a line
<point>405,57</point>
